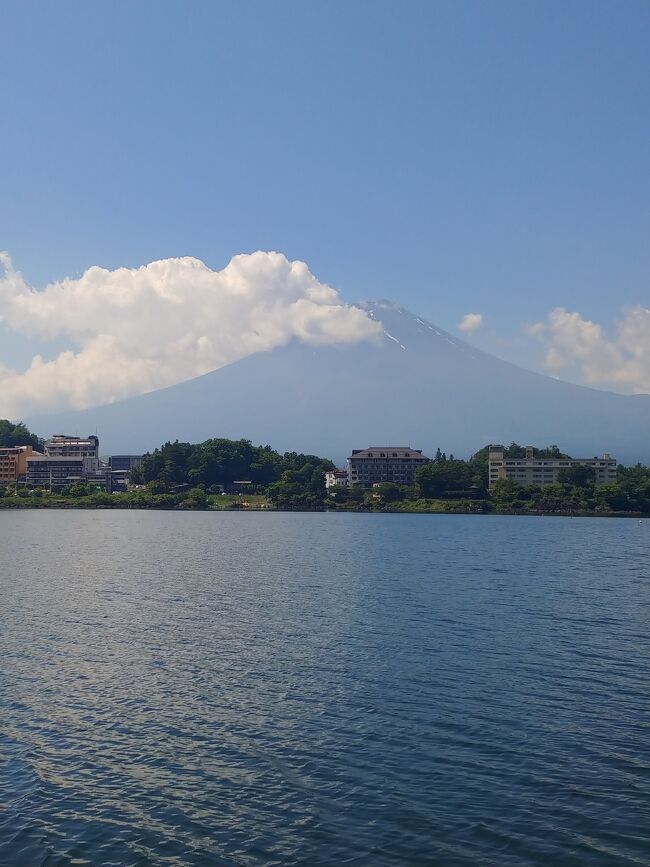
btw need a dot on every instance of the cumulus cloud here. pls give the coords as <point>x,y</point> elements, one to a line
<point>133,330</point>
<point>622,360</point>
<point>534,329</point>
<point>470,322</point>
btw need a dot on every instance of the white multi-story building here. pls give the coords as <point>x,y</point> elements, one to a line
<point>532,470</point>
<point>336,478</point>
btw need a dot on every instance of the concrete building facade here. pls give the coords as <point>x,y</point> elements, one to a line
<point>66,460</point>
<point>13,463</point>
<point>53,473</point>
<point>73,447</point>
<point>532,470</point>
<point>65,446</point>
<point>124,463</point>
<point>377,464</point>
<point>336,478</point>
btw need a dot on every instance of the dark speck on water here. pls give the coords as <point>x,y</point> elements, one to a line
<point>318,689</point>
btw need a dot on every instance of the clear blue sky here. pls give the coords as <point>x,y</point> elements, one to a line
<point>452,156</point>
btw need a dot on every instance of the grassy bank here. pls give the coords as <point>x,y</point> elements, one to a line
<point>138,500</point>
<point>259,502</point>
<point>423,506</point>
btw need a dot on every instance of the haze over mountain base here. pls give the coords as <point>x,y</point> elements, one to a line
<point>418,386</point>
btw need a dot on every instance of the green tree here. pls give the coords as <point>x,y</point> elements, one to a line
<point>136,476</point>
<point>18,435</point>
<point>389,492</point>
<point>194,499</point>
<point>78,489</point>
<point>302,485</point>
<point>506,491</point>
<point>580,476</point>
<point>440,479</point>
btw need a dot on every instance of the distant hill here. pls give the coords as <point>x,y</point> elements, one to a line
<point>419,386</point>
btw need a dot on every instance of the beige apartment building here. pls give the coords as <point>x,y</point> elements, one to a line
<point>13,463</point>
<point>533,470</point>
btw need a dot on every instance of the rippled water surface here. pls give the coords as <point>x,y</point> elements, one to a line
<point>258,689</point>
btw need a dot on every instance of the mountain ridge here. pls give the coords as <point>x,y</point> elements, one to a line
<point>418,385</point>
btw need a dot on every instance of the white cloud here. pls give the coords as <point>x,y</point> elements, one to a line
<point>623,360</point>
<point>554,360</point>
<point>134,330</point>
<point>470,322</point>
<point>535,329</point>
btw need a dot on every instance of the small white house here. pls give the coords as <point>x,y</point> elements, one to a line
<point>336,478</point>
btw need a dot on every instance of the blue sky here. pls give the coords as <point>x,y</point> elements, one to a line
<point>452,156</point>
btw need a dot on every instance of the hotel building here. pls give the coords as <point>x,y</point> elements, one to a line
<point>377,464</point>
<point>63,446</point>
<point>67,459</point>
<point>54,473</point>
<point>13,463</point>
<point>532,470</point>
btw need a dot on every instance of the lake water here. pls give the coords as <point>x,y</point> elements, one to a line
<point>305,689</point>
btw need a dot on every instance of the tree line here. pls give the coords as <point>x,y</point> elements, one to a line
<point>192,475</point>
<point>291,480</point>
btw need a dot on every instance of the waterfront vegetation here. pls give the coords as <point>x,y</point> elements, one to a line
<point>234,474</point>
<point>89,497</point>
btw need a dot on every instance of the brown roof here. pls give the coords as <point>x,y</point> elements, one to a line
<point>388,452</point>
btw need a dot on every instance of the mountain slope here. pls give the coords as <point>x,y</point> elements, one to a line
<point>418,386</point>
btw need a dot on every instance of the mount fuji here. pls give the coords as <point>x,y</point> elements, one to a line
<point>417,386</point>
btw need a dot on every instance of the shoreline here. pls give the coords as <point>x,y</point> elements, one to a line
<point>433,512</point>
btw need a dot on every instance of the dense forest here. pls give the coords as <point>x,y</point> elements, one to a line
<point>290,480</point>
